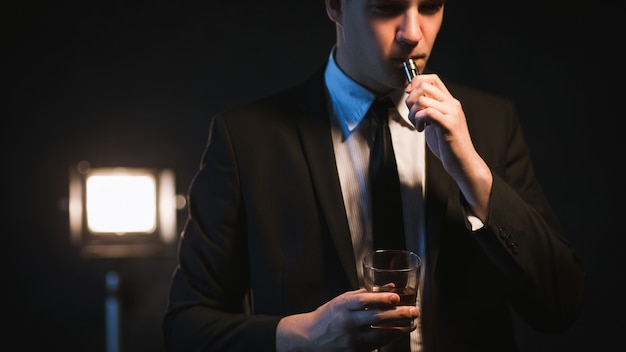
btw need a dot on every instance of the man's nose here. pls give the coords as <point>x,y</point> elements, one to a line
<point>409,31</point>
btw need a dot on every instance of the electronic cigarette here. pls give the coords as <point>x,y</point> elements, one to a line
<point>410,69</point>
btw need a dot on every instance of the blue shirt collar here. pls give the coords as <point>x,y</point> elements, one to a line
<point>351,101</point>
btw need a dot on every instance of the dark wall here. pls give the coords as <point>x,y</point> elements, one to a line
<point>133,84</point>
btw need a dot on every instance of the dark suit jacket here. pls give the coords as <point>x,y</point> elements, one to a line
<point>268,235</point>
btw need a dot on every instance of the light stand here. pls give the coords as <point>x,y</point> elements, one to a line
<point>112,312</point>
<point>117,213</point>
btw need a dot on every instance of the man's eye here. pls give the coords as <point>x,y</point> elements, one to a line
<point>388,9</point>
<point>391,8</point>
<point>430,9</point>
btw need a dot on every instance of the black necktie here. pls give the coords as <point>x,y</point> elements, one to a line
<point>387,221</point>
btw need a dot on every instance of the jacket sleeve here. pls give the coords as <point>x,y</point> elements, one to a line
<point>206,309</point>
<point>524,238</point>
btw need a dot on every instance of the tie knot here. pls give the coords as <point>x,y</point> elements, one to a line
<point>380,109</point>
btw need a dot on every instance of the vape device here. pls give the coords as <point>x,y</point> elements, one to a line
<point>410,69</point>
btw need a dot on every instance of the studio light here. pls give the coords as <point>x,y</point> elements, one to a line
<point>120,212</point>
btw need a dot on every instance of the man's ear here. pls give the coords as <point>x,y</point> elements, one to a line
<point>333,10</point>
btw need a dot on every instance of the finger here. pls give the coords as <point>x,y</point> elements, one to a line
<point>432,91</point>
<point>432,80</point>
<point>397,313</point>
<point>415,84</point>
<point>437,82</point>
<point>371,336</point>
<point>426,117</point>
<point>364,299</point>
<point>401,318</point>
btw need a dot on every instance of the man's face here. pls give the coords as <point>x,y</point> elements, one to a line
<point>374,37</point>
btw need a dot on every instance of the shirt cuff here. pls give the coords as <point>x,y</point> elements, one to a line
<point>475,222</point>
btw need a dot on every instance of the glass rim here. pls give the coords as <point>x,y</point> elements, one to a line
<point>412,254</point>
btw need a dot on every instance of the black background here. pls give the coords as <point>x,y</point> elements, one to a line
<point>133,83</point>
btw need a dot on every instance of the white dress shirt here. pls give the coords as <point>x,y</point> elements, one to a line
<point>352,138</point>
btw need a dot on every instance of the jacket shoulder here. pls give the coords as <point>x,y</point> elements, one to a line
<point>285,101</point>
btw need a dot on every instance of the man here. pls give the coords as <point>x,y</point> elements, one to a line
<point>280,210</point>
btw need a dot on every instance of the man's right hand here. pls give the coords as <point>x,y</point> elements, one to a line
<point>345,323</point>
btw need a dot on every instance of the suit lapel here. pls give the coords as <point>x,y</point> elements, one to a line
<point>438,184</point>
<point>314,129</point>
